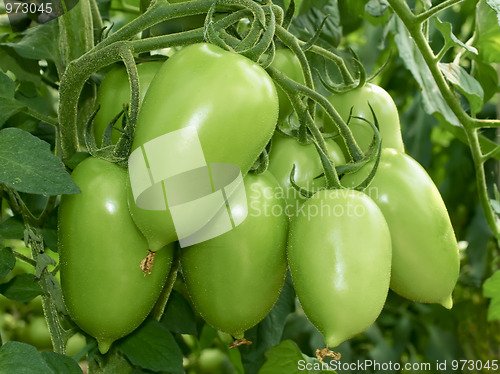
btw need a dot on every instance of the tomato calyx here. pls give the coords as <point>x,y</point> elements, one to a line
<point>148,262</point>
<point>110,152</point>
<point>321,354</point>
<point>239,342</point>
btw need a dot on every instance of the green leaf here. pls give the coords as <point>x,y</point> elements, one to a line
<point>7,86</point>
<point>487,33</point>
<point>61,363</point>
<point>7,262</point>
<point>11,228</point>
<point>495,5</point>
<point>38,43</point>
<point>286,358</point>
<point>306,25</point>
<point>487,77</point>
<point>25,70</point>
<point>449,38</point>
<point>22,288</point>
<point>464,83</point>
<point>8,108</point>
<point>28,165</point>
<point>152,347</point>
<point>376,8</point>
<point>269,331</point>
<point>179,316</point>
<point>432,99</point>
<point>20,358</point>
<point>491,289</point>
<point>41,263</point>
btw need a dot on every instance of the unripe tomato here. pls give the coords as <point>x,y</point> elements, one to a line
<point>104,289</point>
<point>288,63</point>
<point>235,279</point>
<point>384,108</point>
<point>339,252</point>
<point>114,94</point>
<point>286,152</point>
<point>425,261</point>
<point>229,99</point>
<point>36,332</point>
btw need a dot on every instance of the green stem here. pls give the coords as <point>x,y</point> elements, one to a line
<point>158,12</point>
<point>413,24</point>
<point>42,117</point>
<point>161,303</point>
<point>422,17</point>
<point>81,69</point>
<point>24,258</point>
<point>339,61</point>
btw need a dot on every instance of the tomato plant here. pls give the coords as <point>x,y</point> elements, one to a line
<point>288,63</point>
<point>244,110</point>
<point>221,273</point>
<point>341,278</point>
<point>412,205</point>
<point>287,152</point>
<point>109,261</point>
<point>114,95</point>
<point>357,103</point>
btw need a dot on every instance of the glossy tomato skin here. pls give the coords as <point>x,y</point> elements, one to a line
<point>235,279</point>
<point>286,152</point>
<point>104,289</point>
<point>384,108</point>
<point>114,94</point>
<point>229,99</point>
<point>288,63</point>
<point>425,262</point>
<point>339,252</point>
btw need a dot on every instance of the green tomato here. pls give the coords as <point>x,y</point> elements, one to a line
<point>385,111</point>
<point>106,293</point>
<point>36,333</point>
<point>287,62</point>
<point>114,94</point>
<point>227,98</point>
<point>235,279</point>
<point>286,152</point>
<point>75,344</point>
<point>425,263</point>
<point>339,251</point>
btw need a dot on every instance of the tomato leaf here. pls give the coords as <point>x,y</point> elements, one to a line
<point>287,358</point>
<point>7,261</point>
<point>42,261</point>
<point>61,363</point>
<point>8,105</point>
<point>491,289</point>
<point>20,358</point>
<point>11,228</point>
<point>307,23</point>
<point>28,165</point>
<point>152,347</point>
<point>179,316</point>
<point>464,83</point>
<point>22,288</point>
<point>432,99</point>
<point>269,331</point>
<point>38,43</point>
<point>487,33</point>
<point>376,8</point>
<point>449,38</point>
